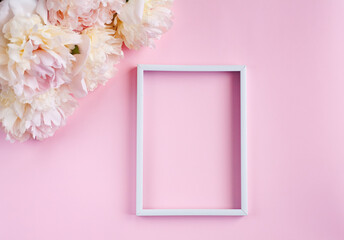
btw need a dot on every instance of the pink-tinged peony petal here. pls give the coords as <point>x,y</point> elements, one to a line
<point>52,116</point>
<point>19,109</point>
<point>5,13</point>
<point>3,72</point>
<point>36,119</point>
<point>81,58</point>
<point>44,57</point>
<point>41,9</point>
<point>23,7</point>
<point>18,89</point>
<point>9,118</point>
<point>78,86</point>
<point>132,12</point>
<point>56,117</point>
<point>32,82</point>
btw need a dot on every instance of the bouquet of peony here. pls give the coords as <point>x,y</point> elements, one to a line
<point>54,51</point>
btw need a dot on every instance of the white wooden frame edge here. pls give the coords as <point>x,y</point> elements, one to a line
<point>139,147</point>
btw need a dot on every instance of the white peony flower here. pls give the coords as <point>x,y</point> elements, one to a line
<point>36,57</point>
<point>104,51</point>
<point>140,22</point>
<point>38,117</point>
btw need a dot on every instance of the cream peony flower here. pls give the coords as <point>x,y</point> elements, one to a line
<point>78,15</point>
<point>139,28</point>
<point>35,57</point>
<point>37,118</point>
<point>104,51</point>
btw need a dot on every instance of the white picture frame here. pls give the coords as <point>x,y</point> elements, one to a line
<point>140,211</point>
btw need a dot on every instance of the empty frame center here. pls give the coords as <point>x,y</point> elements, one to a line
<point>191,149</point>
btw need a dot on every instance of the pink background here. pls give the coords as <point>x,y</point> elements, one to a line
<point>191,143</point>
<point>80,184</point>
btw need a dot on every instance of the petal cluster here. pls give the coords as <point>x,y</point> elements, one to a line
<point>105,51</point>
<point>38,56</point>
<point>142,31</point>
<point>55,51</point>
<point>38,117</point>
<point>78,15</point>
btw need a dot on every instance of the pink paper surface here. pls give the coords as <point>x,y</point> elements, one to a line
<point>80,184</point>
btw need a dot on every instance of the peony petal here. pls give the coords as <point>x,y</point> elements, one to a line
<point>23,7</point>
<point>41,9</point>
<point>56,117</point>
<point>81,58</point>
<point>4,73</point>
<point>36,119</point>
<point>132,12</point>
<point>53,116</point>
<point>8,118</point>
<point>5,13</point>
<point>78,86</point>
<point>19,109</point>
